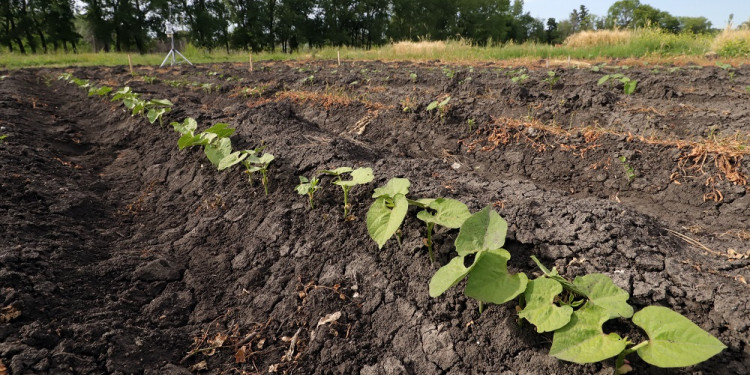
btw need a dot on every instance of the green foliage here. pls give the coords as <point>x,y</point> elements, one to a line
<point>629,85</point>
<point>99,91</point>
<point>541,309</point>
<point>728,68</point>
<point>388,211</point>
<point>308,187</point>
<point>149,79</point>
<point>215,140</point>
<point>156,108</point>
<point>441,106</point>
<point>518,76</point>
<point>488,277</point>
<point>582,340</point>
<point>360,176</point>
<point>413,77</point>
<point>552,78</point>
<point>629,171</point>
<point>449,213</point>
<point>673,340</point>
<point>252,162</point>
<point>3,137</point>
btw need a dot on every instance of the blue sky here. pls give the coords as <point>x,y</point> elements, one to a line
<point>717,11</point>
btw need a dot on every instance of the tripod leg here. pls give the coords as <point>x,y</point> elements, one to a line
<point>183,57</point>
<point>165,59</point>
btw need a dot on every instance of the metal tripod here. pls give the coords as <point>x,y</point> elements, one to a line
<point>173,52</point>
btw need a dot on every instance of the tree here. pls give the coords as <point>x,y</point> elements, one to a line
<point>695,25</point>
<point>621,13</point>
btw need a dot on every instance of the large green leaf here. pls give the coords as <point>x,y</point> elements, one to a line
<point>159,102</point>
<point>232,159</point>
<point>360,176</point>
<point>484,230</point>
<point>450,274</point>
<point>187,140</point>
<point>218,150</point>
<point>383,222</point>
<point>489,280</point>
<point>153,114</point>
<point>449,213</point>
<point>187,126</point>
<point>392,188</point>
<point>221,129</point>
<point>338,171</point>
<point>673,340</point>
<point>582,340</point>
<point>601,291</point>
<point>540,309</point>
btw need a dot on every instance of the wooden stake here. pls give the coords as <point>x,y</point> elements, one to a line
<point>338,55</point>
<point>130,62</point>
<point>251,61</point>
<point>568,61</point>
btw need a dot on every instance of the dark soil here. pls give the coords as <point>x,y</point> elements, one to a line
<point>121,254</point>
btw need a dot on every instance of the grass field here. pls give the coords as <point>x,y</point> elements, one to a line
<point>648,44</point>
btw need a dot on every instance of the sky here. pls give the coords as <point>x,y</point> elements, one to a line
<point>717,11</point>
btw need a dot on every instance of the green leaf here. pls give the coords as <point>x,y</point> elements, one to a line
<point>160,102</point>
<point>392,188</point>
<point>304,186</point>
<point>602,80</point>
<point>188,140</point>
<point>232,159</point>
<point>449,213</point>
<point>484,230</point>
<point>154,114</point>
<point>629,88</point>
<point>218,150</point>
<point>360,176</point>
<point>189,125</point>
<point>264,160</point>
<point>450,274</point>
<point>582,340</point>
<point>220,129</point>
<point>338,171</point>
<point>383,222</point>
<point>489,280</point>
<point>602,292</point>
<point>540,308</point>
<point>432,106</point>
<point>673,340</point>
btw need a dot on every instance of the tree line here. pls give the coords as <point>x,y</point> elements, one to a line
<point>257,25</point>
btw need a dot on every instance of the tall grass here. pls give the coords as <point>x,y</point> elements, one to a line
<point>652,43</point>
<point>732,42</point>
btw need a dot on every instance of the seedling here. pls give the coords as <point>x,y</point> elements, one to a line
<point>728,68</point>
<point>551,79</point>
<point>308,187</point>
<point>518,76</point>
<point>309,80</point>
<point>99,91</point>
<point>2,138</point>
<point>252,162</point>
<point>254,91</point>
<point>471,122</point>
<point>629,171</point>
<point>215,140</point>
<point>128,97</point>
<point>360,176</point>
<point>449,213</point>
<point>156,109</point>
<point>448,72</point>
<point>629,85</point>
<point>413,77</point>
<point>407,104</point>
<point>441,106</point>
<point>149,79</point>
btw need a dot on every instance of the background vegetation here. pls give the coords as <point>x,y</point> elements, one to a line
<point>224,30</point>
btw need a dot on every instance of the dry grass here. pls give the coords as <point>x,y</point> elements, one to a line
<point>599,38</point>
<point>732,42</point>
<point>420,48</point>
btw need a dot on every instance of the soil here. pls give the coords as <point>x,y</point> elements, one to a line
<point>122,254</point>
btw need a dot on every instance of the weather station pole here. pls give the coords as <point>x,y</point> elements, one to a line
<point>173,53</point>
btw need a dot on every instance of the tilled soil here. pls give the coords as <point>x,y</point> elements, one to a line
<point>121,254</point>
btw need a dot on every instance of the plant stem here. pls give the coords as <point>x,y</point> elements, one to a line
<point>481,307</point>
<point>346,201</point>
<point>264,180</point>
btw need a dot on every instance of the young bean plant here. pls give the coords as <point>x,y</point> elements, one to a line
<point>308,187</point>
<point>629,85</point>
<point>253,161</point>
<point>360,176</point>
<point>552,79</point>
<point>441,106</point>
<point>215,140</point>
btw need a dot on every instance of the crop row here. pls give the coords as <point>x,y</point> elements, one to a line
<point>574,311</point>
